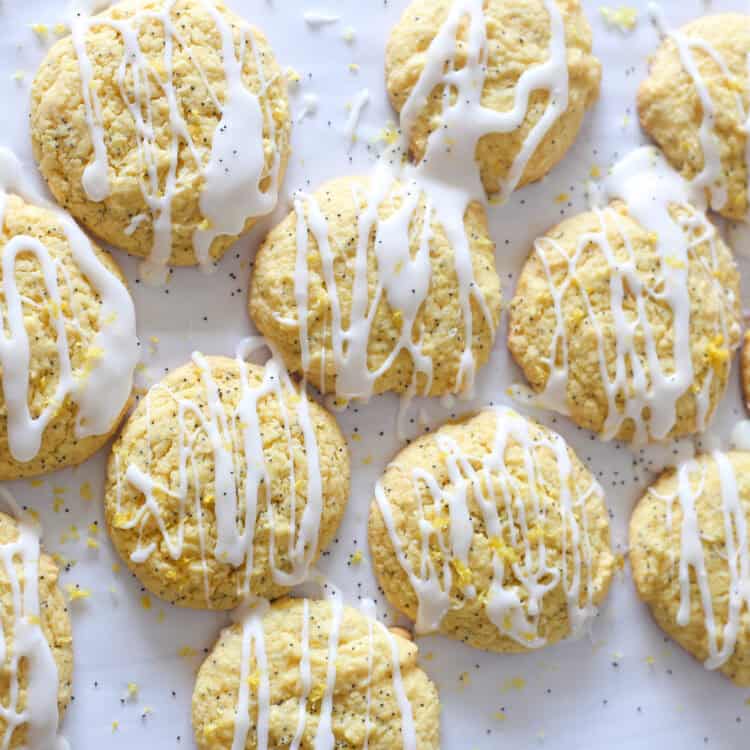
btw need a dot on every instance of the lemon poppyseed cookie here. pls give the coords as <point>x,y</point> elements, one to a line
<point>68,347</point>
<point>626,317</point>
<point>491,531</point>
<point>694,104</point>
<point>163,125</point>
<point>522,74</point>
<point>309,674</point>
<point>363,289</point>
<point>227,481</point>
<point>36,637</point>
<point>690,559</point>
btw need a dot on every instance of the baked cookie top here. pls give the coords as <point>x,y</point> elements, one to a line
<point>163,126</point>
<point>227,481</point>
<point>695,104</point>
<point>68,346</point>
<point>363,289</point>
<point>491,531</point>
<point>690,558</point>
<point>309,674</point>
<point>36,642</point>
<point>521,76</point>
<point>626,317</point>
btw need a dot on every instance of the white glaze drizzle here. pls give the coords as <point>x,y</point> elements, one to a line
<point>643,393</point>
<point>504,516</point>
<point>101,390</point>
<point>447,180</point>
<point>251,619</point>
<point>355,113</point>
<point>233,169</point>
<point>721,641</point>
<point>236,441</point>
<point>40,714</point>
<point>711,180</point>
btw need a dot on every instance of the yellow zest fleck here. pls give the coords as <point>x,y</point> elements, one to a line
<point>186,652</point>
<point>34,514</point>
<point>673,262</point>
<point>85,491</point>
<point>353,67</point>
<point>367,460</point>
<point>254,680</point>
<point>293,76</point>
<point>503,550</point>
<point>514,683</point>
<point>622,18</point>
<point>36,482</point>
<point>500,715</point>
<point>74,592</point>
<point>718,355</point>
<point>18,76</point>
<point>161,616</point>
<point>317,692</point>
<point>398,317</point>
<point>116,567</point>
<point>462,572</point>
<point>348,34</point>
<point>40,29</point>
<point>132,690</point>
<point>92,543</point>
<point>389,134</point>
<point>619,561</point>
<point>33,619</point>
<point>595,172</point>
<point>356,437</point>
<point>115,726</point>
<point>429,656</point>
<point>121,519</point>
<point>93,529</point>
<point>209,499</point>
<point>60,29</point>
<point>145,602</point>
<point>356,558</point>
<point>57,504</point>
<point>562,198</point>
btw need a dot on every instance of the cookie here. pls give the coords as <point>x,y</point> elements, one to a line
<point>626,317</point>
<point>694,104</point>
<point>304,673</point>
<point>163,126</point>
<point>492,532</point>
<point>690,559</point>
<point>36,640</point>
<point>227,481</point>
<point>745,369</point>
<point>68,349</point>
<point>363,290</point>
<point>521,73</point>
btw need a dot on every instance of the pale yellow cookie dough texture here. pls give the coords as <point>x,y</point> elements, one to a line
<point>655,553</point>
<point>54,622</point>
<point>518,34</point>
<point>533,317</point>
<point>670,109</point>
<point>440,320</point>
<point>466,619</point>
<point>60,447</point>
<point>745,369</point>
<point>217,686</point>
<point>150,441</point>
<point>63,146</point>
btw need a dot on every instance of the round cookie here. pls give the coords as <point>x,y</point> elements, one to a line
<point>388,314</point>
<point>163,127</point>
<point>69,347</point>
<point>690,559</point>
<point>37,637</point>
<point>626,318</point>
<point>187,500</point>
<point>539,48</point>
<point>513,564</point>
<point>373,695</point>
<point>694,104</point>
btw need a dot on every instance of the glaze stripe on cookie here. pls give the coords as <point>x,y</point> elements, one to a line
<point>711,178</point>
<point>645,394</point>
<point>324,739</point>
<point>102,390</point>
<point>464,120</point>
<point>233,437</point>
<point>233,169</point>
<point>29,652</point>
<point>448,522</point>
<point>690,478</point>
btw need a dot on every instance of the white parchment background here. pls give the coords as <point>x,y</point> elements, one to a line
<point>627,686</point>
